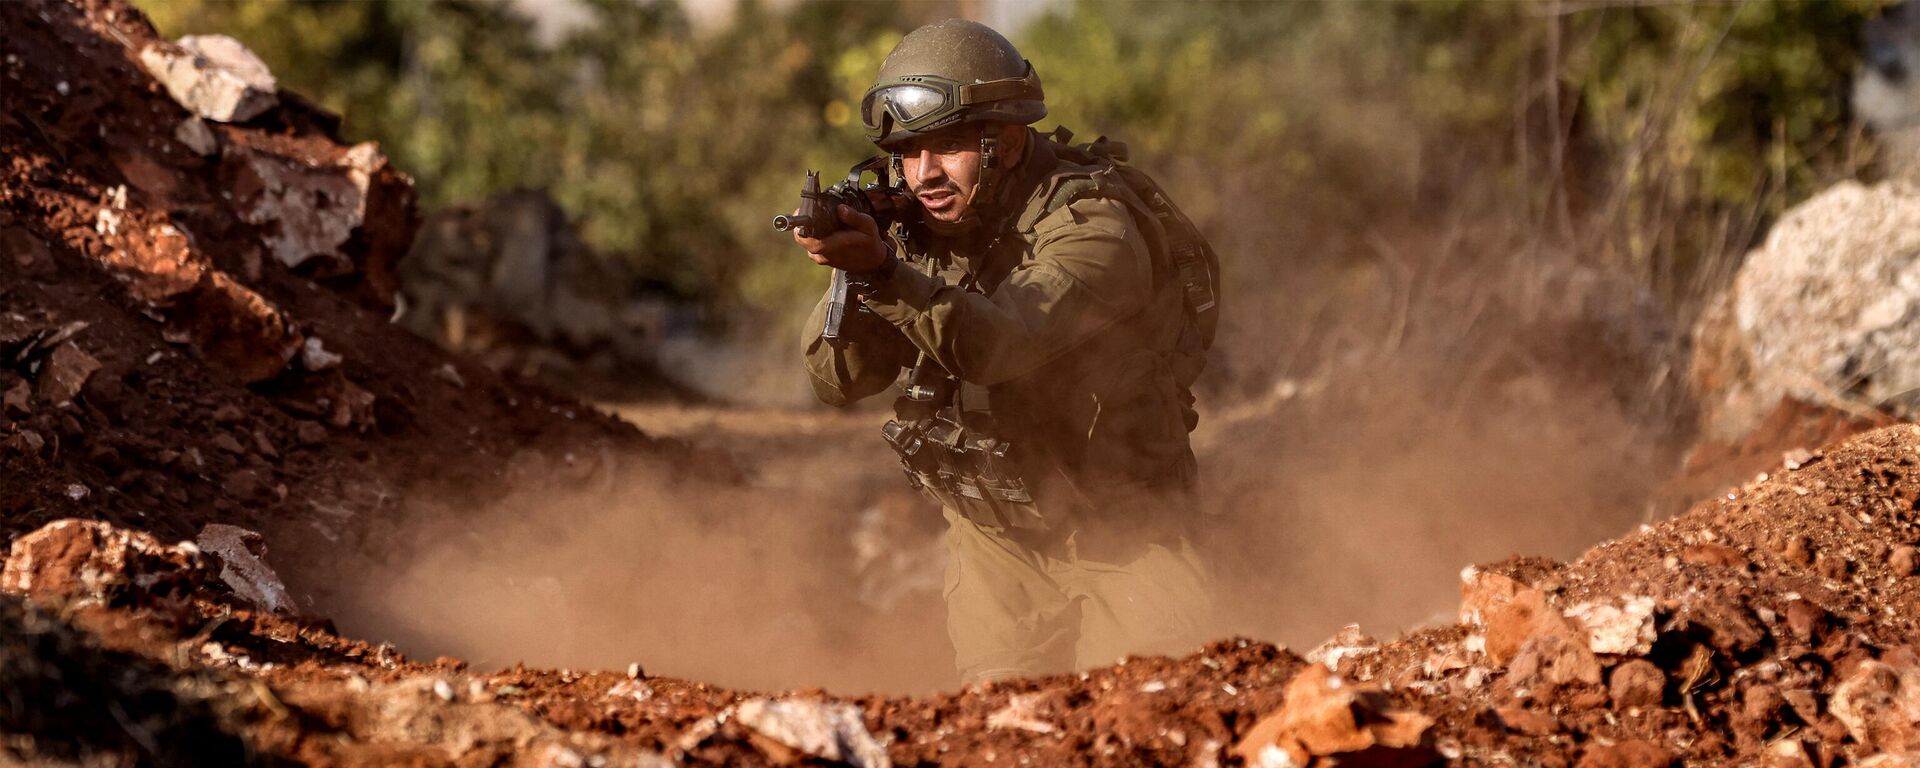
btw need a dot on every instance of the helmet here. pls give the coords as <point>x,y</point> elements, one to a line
<point>947,73</point>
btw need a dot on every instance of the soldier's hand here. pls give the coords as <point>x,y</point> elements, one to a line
<point>855,247</point>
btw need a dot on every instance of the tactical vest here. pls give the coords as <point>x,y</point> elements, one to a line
<point>1111,416</point>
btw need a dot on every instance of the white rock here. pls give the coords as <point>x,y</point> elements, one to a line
<point>315,357</point>
<point>1019,714</point>
<point>1827,311</point>
<point>826,730</point>
<point>1623,629</point>
<point>306,212</point>
<point>213,76</point>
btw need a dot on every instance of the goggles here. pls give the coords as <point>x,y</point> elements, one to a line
<point>921,103</point>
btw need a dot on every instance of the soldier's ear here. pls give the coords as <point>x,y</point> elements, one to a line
<point>1013,144</point>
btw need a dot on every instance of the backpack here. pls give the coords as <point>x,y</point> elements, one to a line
<point>1194,261</point>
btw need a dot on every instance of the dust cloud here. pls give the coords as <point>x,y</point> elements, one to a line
<point>751,586</point>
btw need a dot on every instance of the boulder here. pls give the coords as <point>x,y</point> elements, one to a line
<point>212,76</point>
<point>1824,312</point>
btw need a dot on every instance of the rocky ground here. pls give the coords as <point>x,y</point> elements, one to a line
<point>195,280</point>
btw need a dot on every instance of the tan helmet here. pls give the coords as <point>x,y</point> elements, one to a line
<point>946,73</point>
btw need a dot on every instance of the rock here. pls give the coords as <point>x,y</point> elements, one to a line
<point>1526,615</point>
<point>310,433</point>
<point>1904,560</point>
<point>1761,704</point>
<point>234,327</point>
<point>243,566</point>
<point>226,442</point>
<point>1806,621</point>
<point>1788,753</point>
<point>26,441</point>
<point>1324,716</point>
<point>1020,713</point>
<point>1345,644</point>
<point>1626,754</point>
<point>1830,295</point>
<point>212,76</point>
<point>65,373</point>
<point>1553,660</point>
<point>1626,629</point>
<point>823,730</point>
<point>1713,554</point>
<point>313,213</point>
<point>315,357</point>
<point>1483,592</point>
<point>78,559</point>
<point>1880,706</point>
<point>1519,719</point>
<point>18,399</point>
<point>1731,628</point>
<point>1637,683</point>
<point>194,133</point>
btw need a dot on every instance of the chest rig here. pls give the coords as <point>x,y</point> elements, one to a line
<point>943,428</point>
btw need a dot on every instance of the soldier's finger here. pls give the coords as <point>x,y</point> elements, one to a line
<point>856,219</point>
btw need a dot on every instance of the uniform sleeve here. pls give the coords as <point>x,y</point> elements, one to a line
<point>1090,269</point>
<point>865,363</point>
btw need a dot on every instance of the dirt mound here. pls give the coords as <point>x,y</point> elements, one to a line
<point>195,313</point>
<point>1771,624</point>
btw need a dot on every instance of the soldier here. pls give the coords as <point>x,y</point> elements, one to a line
<point>1051,349</point>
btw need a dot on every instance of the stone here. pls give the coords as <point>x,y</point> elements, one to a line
<point>1637,683</point>
<point>1531,722</point>
<point>75,559</point>
<point>1345,644</point>
<point>1626,754</point>
<point>310,433</point>
<point>1625,629</point>
<point>1713,554</point>
<point>315,357</point>
<point>1831,293</point>
<point>306,212</point>
<point>1761,704</point>
<point>1553,660</point>
<point>234,327</point>
<point>831,731</point>
<point>1020,713</point>
<point>65,373</point>
<point>1806,621</point>
<point>1904,560</point>
<point>241,554</point>
<point>18,399</point>
<point>1523,617</point>
<point>1788,753</point>
<point>194,133</point>
<point>1880,706</point>
<point>1322,715</point>
<point>212,76</point>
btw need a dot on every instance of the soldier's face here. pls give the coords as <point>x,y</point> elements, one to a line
<point>942,170</point>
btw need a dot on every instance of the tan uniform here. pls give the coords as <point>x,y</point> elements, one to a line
<point>1069,336</point>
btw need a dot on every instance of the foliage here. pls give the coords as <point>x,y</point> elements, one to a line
<point>1653,139</point>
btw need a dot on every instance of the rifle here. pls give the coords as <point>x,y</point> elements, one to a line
<point>884,200</point>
